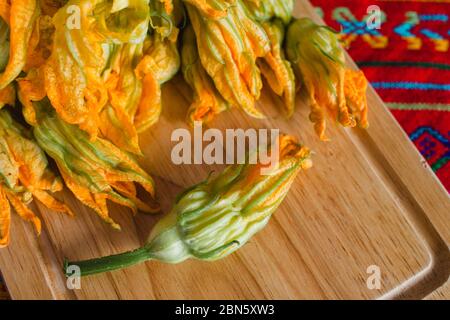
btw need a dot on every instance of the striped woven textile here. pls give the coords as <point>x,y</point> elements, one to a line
<point>403,48</point>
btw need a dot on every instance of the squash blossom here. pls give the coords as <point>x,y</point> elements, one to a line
<point>265,10</point>
<point>273,15</point>
<point>81,54</point>
<point>159,64</point>
<point>228,48</point>
<point>159,61</point>
<point>50,7</point>
<point>117,59</point>
<point>276,69</point>
<point>24,175</point>
<point>4,43</point>
<point>17,20</point>
<point>133,83</point>
<point>214,9</point>
<point>218,216</point>
<point>40,45</point>
<point>7,96</point>
<point>105,74</point>
<point>95,171</point>
<point>124,91</point>
<point>207,100</point>
<point>319,60</point>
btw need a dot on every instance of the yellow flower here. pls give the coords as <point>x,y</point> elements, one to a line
<point>50,7</point>
<point>116,118</point>
<point>40,44</point>
<point>228,48</point>
<point>80,52</point>
<point>4,43</point>
<point>212,8</point>
<point>218,216</point>
<point>207,100</point>
<point>103,70</point>
<point>159,64</point>
<point>24,175</point>
<point>275,68</point>
<point>7,96</point>
<point>319,60</point>
<point>20,17</point>
<point>94,171</point>
<point>265,10</point>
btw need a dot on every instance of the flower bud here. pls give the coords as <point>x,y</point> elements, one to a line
<point>207,100</point>
<point>20,16</point>
<point>276,69</point>
<point>228,48</point>
<point>94,170</point>
<point>265,10</point>
<point>158,65</point>
<point>218,216</point>
<point>214,9</point>
<point>319,60</point>
<point>24,175</point>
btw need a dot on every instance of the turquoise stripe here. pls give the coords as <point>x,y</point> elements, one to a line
<point>431,34</point>
<point>434,17</point>
<point>411,85</point>
<point>403,64</point>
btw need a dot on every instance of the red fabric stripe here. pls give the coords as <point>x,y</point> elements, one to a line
<point>411,74</point>
<point>414,96</point>
<point>418,118</point>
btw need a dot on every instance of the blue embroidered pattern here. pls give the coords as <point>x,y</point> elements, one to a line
<point>411,85</point>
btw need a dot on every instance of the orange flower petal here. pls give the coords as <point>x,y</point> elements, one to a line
<point>5,219</point>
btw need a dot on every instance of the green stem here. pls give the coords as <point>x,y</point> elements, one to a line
<point>109,263</point>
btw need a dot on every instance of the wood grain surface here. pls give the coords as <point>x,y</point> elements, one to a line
<point>443,293</point>
<point>369,200</point>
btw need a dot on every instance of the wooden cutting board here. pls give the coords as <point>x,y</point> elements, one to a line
<point>443,293</point>
<point>369,200</point>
